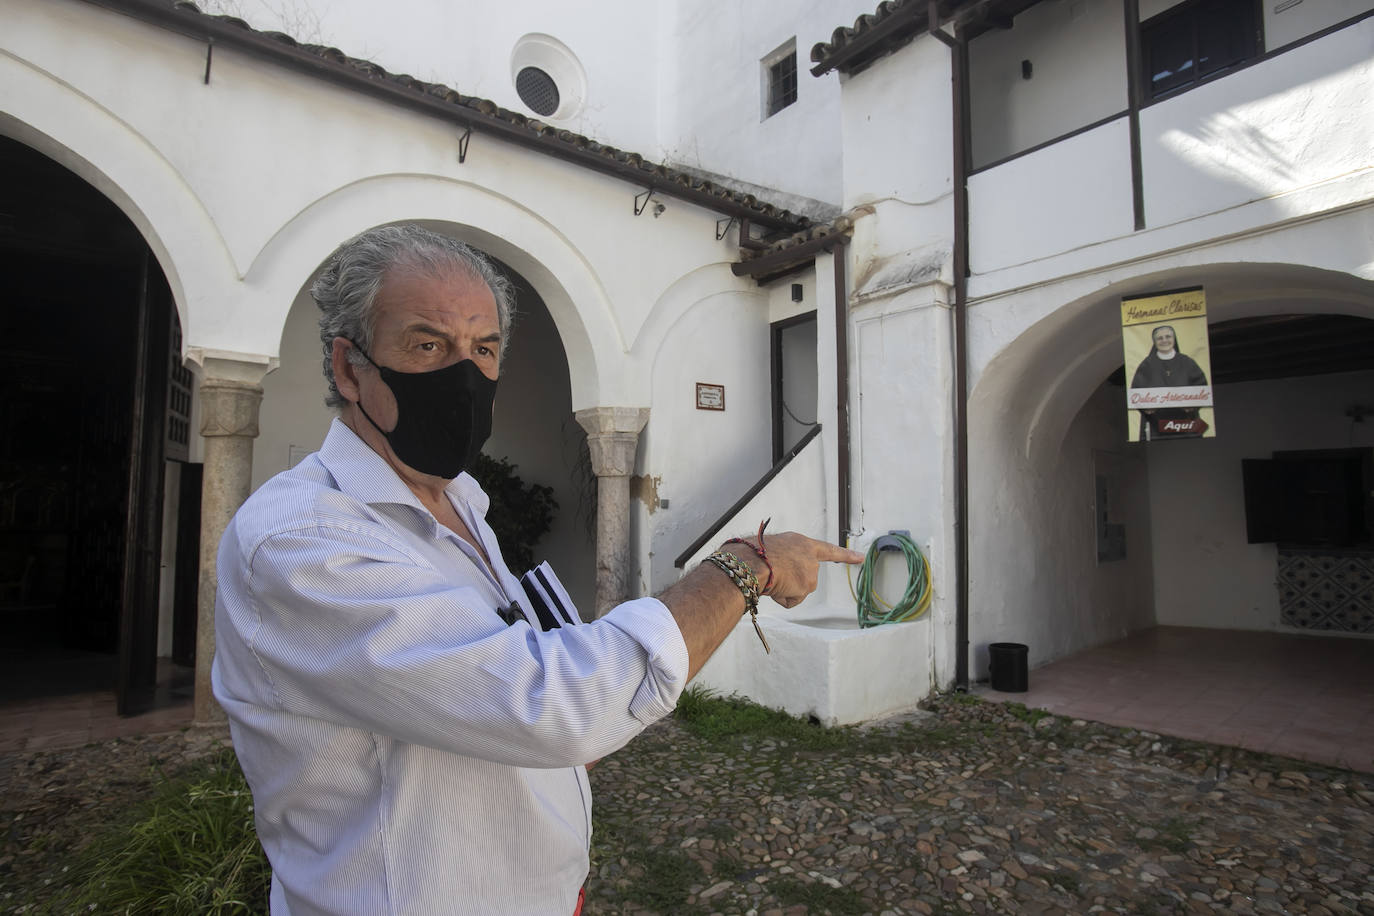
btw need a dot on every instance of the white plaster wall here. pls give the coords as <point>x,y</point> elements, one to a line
<point>468,46</point>
<point>1213,182</point>
<point>1206,575</point>
<point>1298,120</point>
<point>901,358</point>
<point>780,304</point>
<point>702,461</point>
<point>243,157</point>
<point>1281,28</point>
<point>1034,575</point>
<point>292,414</point>
<point>711,92</point>
<point>1059,198</point>
<point>898,162</point>
<point>1076,49</point>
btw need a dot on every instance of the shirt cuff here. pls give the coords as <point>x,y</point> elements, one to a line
<point>649,622</point>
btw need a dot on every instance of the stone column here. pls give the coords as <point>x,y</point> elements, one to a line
<point>230,395</point>
<point>612,439</point>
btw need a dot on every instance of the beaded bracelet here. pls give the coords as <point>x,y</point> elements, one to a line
<point>746,582</point>
<point>762,553</point>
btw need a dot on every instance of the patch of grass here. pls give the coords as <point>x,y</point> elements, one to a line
<point>190,848</point>
<point>715,718</point>
<point>666,880</point>
<point>818,897</point>
<point>1025,714</point>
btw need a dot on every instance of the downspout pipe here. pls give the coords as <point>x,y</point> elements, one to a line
<point>958,47</point>
<point>842,391</point>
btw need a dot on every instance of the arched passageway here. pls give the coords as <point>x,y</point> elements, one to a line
<point>97,408</point>
<point>1051,466</point>
<point>1082,537</point>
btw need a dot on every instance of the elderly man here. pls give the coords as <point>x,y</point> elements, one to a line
<point>413,743</point>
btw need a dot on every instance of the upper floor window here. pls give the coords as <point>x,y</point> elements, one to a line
<point>780,78</point>
<point>1194,40</point>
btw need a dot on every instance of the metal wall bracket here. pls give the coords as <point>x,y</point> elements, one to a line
<point>723,226</point>
<point>642,201</point>
<point>463,146</point>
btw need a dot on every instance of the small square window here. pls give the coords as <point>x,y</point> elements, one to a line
<point>780,79</point>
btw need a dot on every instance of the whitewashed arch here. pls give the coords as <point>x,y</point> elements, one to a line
<point>45,113</point>
<point>1036,386</point>
<point>565,280</point>
<point>706,282</point>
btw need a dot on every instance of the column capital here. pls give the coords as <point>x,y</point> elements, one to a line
<point>600,420</point>
<point>229,408</point>
<point>612,437</point>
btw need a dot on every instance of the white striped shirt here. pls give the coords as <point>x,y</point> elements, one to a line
<point>407,750</point>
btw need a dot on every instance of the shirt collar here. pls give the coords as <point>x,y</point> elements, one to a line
<point>363,474</point>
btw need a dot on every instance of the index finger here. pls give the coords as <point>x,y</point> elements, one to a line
<point>833,553</point>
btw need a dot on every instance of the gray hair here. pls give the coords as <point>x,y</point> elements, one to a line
<point>346,290</point>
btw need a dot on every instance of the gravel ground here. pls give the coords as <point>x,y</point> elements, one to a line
<point>968,808</point>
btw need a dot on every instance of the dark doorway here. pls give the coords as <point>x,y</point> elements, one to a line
<point>793,363</point>
<point>86,321</point>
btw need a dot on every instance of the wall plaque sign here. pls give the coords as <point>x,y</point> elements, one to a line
<point>710,397</point>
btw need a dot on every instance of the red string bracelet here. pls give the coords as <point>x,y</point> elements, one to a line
<point>762,552</point>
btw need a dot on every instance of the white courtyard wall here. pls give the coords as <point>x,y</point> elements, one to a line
<point>470,46</point>
<point>1036,578</point>
<point>1074,49</point>
<point>1284,134</point>
<point>1206,575</point>
<point>702,461</point>
<point>901,355</point>
<point>1281,140</point>
<point>898,170</point>
<point>712,90</point>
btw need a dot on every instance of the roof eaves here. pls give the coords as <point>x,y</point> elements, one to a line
<point>893,24</point>
<point>896,23</point>
<point>480,115</point>
<point>795,252</point>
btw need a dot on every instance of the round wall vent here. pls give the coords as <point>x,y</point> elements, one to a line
<point>537,90</point>
<point>548,77</point>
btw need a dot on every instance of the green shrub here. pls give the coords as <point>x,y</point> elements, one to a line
<point>190,848</point>
<point>520,513</point>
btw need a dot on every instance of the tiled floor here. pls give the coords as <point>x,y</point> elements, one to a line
<point>70,721</point>
<point>51,699</point>
<point>1306,697</point>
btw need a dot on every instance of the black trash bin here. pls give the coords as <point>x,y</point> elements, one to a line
<point>1009,666</point>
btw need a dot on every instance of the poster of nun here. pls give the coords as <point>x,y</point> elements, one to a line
<point>1168,366</point>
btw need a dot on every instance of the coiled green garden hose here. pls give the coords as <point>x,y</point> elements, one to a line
<point>915,601</point>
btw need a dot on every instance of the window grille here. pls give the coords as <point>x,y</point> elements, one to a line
<point>782,83</point>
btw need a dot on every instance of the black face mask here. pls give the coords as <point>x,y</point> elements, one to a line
<point>443,417</point>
